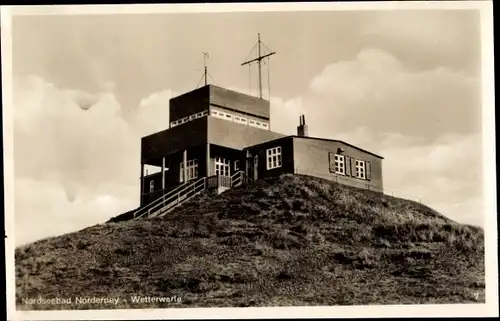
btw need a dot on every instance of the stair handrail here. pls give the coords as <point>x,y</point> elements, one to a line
<point>161,198</point>
<point>237,176</point>
<point>177,194</point>
<point>160,201</point>
<point>195,191</point>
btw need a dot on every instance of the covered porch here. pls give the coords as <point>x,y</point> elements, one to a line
<point>161,175</point>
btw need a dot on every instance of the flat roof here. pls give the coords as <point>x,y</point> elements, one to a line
<point>320,139</point>
<point>208,86</point>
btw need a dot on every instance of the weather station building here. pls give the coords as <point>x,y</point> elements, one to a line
<point>219,138</point>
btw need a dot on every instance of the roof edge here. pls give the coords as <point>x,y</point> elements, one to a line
<point>337,141</point>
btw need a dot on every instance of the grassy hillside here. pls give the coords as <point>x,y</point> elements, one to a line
<point>292,240</point>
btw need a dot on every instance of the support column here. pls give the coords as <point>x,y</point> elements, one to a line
<point>142,183</point>
<point>209,170</point>
<point>248,156</point>
<point>185,165</point>
<point>163,173</point>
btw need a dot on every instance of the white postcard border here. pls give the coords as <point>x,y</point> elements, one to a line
<point>490,308</point>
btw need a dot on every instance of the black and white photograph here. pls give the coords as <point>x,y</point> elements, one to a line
<point>213,160</point>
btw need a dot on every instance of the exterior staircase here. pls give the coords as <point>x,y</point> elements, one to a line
<point>185,192</point>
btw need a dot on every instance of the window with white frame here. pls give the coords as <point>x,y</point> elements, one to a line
<point>221,166</point>
<point>191,117</point>
<point>360,169</point>
<point>151,186</point>
<point>192,170</point>
<point>340,164</point>
<point>236,165</point>
<point>273,157</point>
<point>239,119</point>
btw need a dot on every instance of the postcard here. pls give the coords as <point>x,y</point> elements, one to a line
<point>249,160</point>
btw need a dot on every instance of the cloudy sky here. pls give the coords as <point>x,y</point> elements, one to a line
<point>404,84</point>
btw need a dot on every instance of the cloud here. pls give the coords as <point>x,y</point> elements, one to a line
<point>285,114</point>
<point>82,99</point>
<point>376,91</point>
<point>42,209</point>
<point>56,139</point>
<point>76,157</point>
<point>72,152</point>
<point>153,112</point>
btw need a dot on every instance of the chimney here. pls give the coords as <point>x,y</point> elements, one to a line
<point>302,128</point>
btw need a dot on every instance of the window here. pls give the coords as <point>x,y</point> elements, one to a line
<point>236,165</point>
<point>360,169</point>
<point>240,120</point>
<point>191,117</point>
<point>214,113</point>
<point>221,166</point>
<point>273,157</point>
<point>229,116</point>
<point>151,186</point>
<point>339,164</point>
<point>192,170</point>
<point>265,125</point>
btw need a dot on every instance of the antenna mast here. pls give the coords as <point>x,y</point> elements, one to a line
<point>205,57</point>
<point>258,60</point>
<point>205,72</point>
